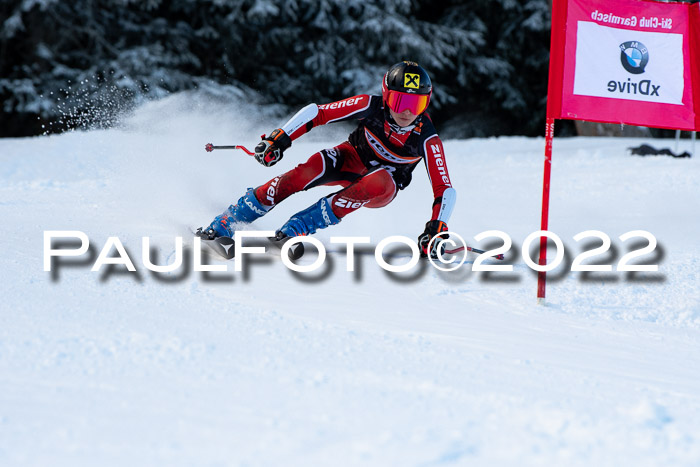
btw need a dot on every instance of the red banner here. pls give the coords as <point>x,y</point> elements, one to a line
<point>625,61</point>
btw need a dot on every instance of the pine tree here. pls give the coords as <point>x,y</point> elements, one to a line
<point>81,63</point>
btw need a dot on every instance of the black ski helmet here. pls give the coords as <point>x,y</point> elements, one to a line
<point>406,85</point>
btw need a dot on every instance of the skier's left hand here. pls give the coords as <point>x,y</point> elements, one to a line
<point>269,151</point>
<point>432,228</point>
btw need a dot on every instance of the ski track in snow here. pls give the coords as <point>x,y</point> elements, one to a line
<point>335,367</point>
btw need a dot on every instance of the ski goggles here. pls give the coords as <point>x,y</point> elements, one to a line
<point>399,101</point>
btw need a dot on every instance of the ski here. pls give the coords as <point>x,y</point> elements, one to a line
<point>295,252</point>
<point>473,250</point>
<point>406,255</point>
<point>225,247</point>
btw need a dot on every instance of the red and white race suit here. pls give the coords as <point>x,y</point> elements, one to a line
<point>377,160</point>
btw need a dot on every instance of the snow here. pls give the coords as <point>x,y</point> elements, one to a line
<point>265,367</point>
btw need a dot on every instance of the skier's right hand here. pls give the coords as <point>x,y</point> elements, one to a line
<point>269,151</point>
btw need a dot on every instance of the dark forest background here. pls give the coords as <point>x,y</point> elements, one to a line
<point>79,63</point>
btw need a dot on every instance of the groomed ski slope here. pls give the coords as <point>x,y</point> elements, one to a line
<point>335,367</point>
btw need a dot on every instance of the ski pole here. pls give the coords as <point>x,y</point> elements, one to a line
<point>210,147</point>
<point>473,250</point>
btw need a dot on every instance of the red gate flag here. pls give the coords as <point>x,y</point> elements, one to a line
<point>620,61</point>
<point>625,61</point>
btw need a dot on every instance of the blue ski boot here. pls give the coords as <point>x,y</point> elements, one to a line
<point>307,222</point>
<point>246,210</point>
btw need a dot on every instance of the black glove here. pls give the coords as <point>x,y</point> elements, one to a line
<point>269,151</point>
<point>432,228</point>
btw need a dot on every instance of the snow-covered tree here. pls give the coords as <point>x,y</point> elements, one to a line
<point>79,63</point>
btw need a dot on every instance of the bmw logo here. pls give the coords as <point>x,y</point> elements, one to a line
<point>634,56</point>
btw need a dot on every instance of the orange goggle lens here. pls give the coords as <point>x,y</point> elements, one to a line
<point>400,101</point>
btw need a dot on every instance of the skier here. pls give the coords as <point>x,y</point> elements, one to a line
<point>393,135</point>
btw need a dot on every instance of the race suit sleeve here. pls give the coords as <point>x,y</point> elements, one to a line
<point>351,108</point>
<point>445,195</point>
